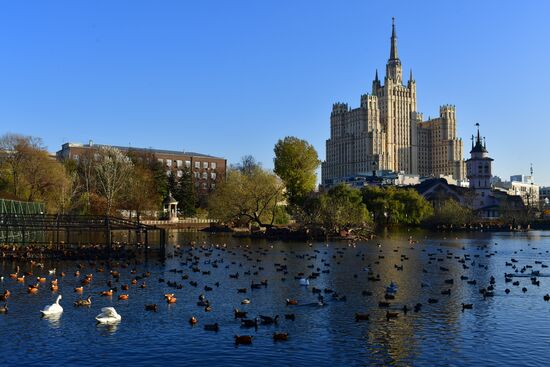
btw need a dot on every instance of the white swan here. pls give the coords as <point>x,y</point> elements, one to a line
<point>51,271</point>
<point>304,282</point>
<point>53,309</point>
<point>108,315</point>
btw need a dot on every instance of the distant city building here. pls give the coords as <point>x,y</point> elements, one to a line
<point>206,170</point>
<point>387,133</point>
<point>522,186</point>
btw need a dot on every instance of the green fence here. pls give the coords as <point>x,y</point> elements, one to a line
<point>15,207</point>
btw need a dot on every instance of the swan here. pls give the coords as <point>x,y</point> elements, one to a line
<point>108,315</point>
<point>304,282</point>
<point>53,309</point>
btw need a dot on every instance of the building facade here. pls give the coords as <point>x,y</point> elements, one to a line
<point>206,170</point>
<point>386,132</point>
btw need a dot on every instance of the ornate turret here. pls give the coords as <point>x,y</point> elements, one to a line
<point>479,146</point>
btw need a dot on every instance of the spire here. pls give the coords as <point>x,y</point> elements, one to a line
<point>393,50</point>
<point>411,76</point>
<point>480,145</point>
<point>376,76</point>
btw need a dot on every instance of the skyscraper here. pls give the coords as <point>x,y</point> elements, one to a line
<point>387,133</point>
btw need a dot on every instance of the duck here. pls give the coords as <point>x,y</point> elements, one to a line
<point>171,299</point>
<point>16,274</point>
<point>84,302</point>
<point>78,289</point>
<point>291,302</point>
<point>547,297</point>
<point>21,279</point>
<point>31,289</point>
<point>54,287</point>
<point>123,297</point>
<point>4,309</point>
<point>361,316</point>
<point>124,287</point>
<point>108,315</point>
<point>249,323</point>
<point>41,279</point>
<point>51,271</point>
<point>391,315</point>
<point>268,320</point>
<point>212,327</point>
<point>243,339</point>
<point>108,293</point>
<point>239,314</point>
<point>193,320</point>
<point>290,316</point>
<point>4,296</point>
<point>245,301</point>
<point>304,282</point>
<point>280,336</point>
<point>53,309</point>
<point>467,306</point>
<point>151,307</point>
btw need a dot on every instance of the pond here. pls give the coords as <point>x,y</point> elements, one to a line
<point>501,327</point>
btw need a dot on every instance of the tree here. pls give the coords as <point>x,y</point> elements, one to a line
<point>112,172</point>
<point>185,194</point>
<point>295,163</point>
<point>140,193</point>
<point>86,172</point>
<point>247,165</point>
<point>342,208</point>
<point>393,205</point>
<point>15,149</point>
<point>451,213</point>
<point>30,174</point>
<point>251,197</point>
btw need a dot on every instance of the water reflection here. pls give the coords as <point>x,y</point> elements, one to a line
<point>107,329</point>
<point>54,320</point>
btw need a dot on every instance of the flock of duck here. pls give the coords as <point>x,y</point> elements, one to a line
<point>197,261</point>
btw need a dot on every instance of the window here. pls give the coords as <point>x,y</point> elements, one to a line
<point>188,164</point>
<point>160,160</point>
<point>197,164</point>
<point>168,173</point>
<point>180,173</point>
<point>204,175</point>
<point>213,165</point>
<point>197,175</point>
<point>169,163</point>
<point>179,163</point>
<point>204,164</point>
<point>213,175</point>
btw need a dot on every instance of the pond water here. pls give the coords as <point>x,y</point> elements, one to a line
<point>504,329</point>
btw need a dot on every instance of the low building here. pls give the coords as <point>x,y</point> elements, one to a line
<point>522,186</point>
<point>207,170</point>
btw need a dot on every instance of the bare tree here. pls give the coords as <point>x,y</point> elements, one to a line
<point>112,171</point>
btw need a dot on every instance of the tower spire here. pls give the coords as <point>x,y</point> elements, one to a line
<point>376,76</point>
<point>393,67</point>
<point>393,50</point>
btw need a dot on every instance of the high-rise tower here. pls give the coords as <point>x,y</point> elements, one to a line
<point>387,133</point>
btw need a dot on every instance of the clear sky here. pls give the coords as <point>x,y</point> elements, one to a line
<point>230,78</point>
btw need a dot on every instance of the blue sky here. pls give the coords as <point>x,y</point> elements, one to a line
<point>231,78</point>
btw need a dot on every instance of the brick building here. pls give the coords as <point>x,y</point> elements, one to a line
<point>207,170</point>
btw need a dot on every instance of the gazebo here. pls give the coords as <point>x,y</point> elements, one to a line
<point>171,208</point>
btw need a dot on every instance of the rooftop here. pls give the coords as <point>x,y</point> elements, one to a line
<point>152,150</point>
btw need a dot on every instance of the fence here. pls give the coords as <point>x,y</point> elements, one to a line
<point>22,209</point>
